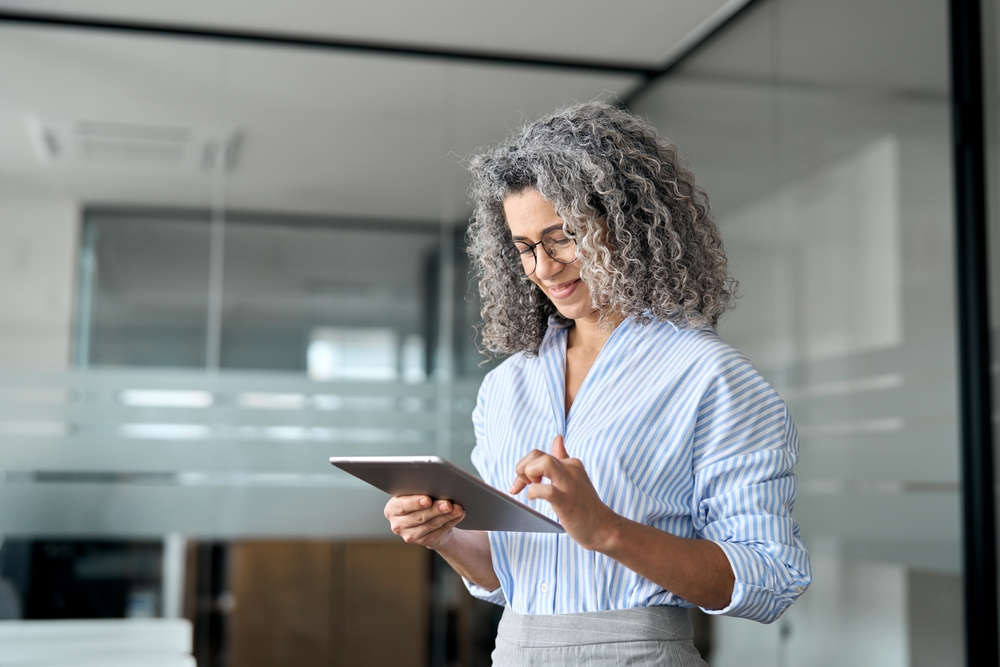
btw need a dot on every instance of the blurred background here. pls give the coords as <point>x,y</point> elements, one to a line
<point>232,246</point>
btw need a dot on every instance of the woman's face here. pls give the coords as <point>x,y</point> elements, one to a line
<point>529,216</point>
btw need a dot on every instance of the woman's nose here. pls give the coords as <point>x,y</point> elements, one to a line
<point>545,266</point>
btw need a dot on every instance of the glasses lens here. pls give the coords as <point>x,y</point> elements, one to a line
<point>560,247</point>
<point>520,257</point>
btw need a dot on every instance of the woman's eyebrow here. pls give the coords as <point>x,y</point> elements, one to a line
<point>544,232</point>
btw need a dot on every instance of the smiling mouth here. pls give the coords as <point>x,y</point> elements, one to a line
<point>563,290</point>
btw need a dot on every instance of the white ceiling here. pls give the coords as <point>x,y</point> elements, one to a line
<point>633,31</point>
<point>329,132</point>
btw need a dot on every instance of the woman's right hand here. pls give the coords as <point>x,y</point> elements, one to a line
<point>422,520</point>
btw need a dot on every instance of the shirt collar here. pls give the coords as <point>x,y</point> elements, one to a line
<point>556,322</point>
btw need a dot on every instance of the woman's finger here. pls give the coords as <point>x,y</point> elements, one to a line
<point>535,470</point>
<point>527,471</point>
<point>425,533</point>
<point>433,536</point>
<point>548,492</point>
<point>559,448</point>
<point>405,505</point>
<point>521,480</point>
<point>545,466</point>
<point>526,459</point>
<point>420,517</point>
<point>435,522</point>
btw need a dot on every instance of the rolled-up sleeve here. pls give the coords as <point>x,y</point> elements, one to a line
<point>496,597</point>
<point>745,449</point>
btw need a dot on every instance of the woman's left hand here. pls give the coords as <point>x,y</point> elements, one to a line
<point>572,495</point>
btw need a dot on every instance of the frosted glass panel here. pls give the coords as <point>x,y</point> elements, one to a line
<point>830,177</point>
<point>146,453</point>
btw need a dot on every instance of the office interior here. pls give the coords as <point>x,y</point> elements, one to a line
<point>232,246</point>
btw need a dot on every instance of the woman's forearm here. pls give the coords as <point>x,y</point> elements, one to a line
<point>468,553</point>
<point>693,569</point>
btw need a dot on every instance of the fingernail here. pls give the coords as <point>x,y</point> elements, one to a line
<point>424,502</point>
<point>443,507</point>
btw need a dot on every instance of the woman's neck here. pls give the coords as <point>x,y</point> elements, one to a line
<point>588,334</point>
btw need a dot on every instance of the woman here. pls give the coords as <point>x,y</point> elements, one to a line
<point>660,449</point>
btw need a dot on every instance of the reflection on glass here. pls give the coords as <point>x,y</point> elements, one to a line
<point>819,129</point>
<point>827,161</point>
<point>148,290</point>
<point>337,302</point>
<point>340,353</point>
<point>202,228</point>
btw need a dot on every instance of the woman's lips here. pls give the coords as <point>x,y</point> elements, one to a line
<point>564,290</point>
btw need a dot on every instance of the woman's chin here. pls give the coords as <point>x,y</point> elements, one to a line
<point>576,312</point>
<point>576,304</point>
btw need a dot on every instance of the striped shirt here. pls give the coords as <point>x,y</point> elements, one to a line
<point>677,430</point>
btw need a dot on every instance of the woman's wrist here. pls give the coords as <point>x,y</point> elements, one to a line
<point>468,552</point>
<point>447,543</point>
<point>611,536</point>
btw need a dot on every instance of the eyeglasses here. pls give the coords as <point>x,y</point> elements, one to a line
<point>523,256</point>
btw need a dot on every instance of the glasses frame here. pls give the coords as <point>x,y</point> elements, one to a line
<point>516,246</point>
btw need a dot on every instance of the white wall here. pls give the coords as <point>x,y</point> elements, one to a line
<point>819,262</point>
<point>846,271</point>
<point>38,260</point>
<point>855,613</point>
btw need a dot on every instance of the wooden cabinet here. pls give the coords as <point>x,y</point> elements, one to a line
<point>329,604</point>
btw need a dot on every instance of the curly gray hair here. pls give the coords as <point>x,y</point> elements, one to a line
<point>645,238</point>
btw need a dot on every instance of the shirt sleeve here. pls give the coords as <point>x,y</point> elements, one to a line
<point>496,597</point>
<point>481,461</point>
<point>745,447</point>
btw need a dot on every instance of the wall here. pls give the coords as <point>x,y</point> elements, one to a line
<point>38,259</point>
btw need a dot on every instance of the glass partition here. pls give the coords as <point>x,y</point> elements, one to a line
<point>821,132</point>
<point>220,264</point>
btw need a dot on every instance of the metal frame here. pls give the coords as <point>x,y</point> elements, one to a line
<point>262,37</point>
<point>973,330</point>
<point>668,68</point>
<point>649,73</point>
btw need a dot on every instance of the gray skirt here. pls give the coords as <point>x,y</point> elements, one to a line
<point>641,637</point>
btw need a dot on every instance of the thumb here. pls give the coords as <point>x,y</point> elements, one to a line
<point>558,448</point>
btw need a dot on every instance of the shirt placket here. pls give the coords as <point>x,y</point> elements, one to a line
<point>546,583</point>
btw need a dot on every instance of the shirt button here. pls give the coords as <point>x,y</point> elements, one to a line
<point>799,589</point>
<point>543,587</point>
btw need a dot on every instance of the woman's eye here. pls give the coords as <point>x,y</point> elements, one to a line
<point>524,250</point>
<point>559,241</point>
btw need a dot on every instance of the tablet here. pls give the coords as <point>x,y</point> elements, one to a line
<point>485,508</point>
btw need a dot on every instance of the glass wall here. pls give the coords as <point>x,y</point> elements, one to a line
<point>291,289</point>
<point>821,132</point>
<point>222,263</point>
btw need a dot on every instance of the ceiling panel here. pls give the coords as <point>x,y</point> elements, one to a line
<point>323,132</point>
<point>627,31</point>
<point>866,47</point>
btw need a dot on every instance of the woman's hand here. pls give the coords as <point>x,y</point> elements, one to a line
<point>572,495</point>
<point>696,570</point>
<point>431,523</point>
<point>421,520</point>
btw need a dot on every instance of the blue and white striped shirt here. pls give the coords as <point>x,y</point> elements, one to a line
<point>677,430</point>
